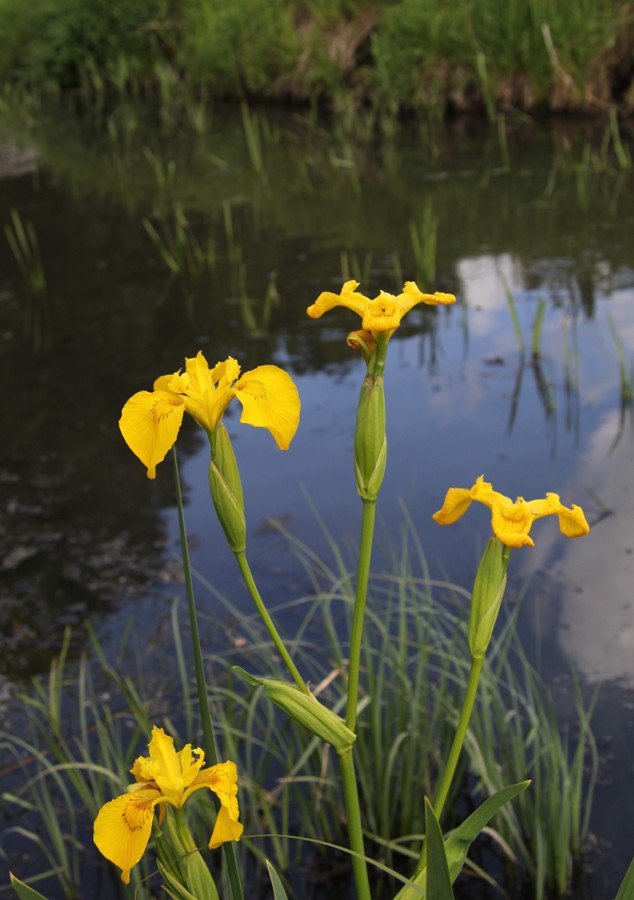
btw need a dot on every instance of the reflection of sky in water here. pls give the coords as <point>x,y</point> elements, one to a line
<point>447,424</point>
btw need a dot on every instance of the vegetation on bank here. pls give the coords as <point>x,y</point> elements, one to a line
<point>473,55</point>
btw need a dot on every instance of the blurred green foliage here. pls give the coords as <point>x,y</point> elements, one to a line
<point>240,46</point>
<point>471,54</point>
<point>48,42</point>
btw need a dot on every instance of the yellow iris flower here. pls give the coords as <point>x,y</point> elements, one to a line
<point>384,313</point>
<point>150,420</point>
<point>123,826</point>
<point>511,521</point>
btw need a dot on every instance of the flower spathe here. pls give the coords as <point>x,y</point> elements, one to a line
<point>512,520</point>
<point>150,420</point>
<point>383,313</point>
<point>165,777</point>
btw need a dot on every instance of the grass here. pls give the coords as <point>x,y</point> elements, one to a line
<point>86,723</point>
<point>484,55</point>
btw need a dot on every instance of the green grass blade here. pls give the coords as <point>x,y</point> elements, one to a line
<point>626,891</point>
<point>23,891</point>
<point>438,879</point>
<point>276,883</point>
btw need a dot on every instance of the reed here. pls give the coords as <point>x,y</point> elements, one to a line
<point>411,656</point>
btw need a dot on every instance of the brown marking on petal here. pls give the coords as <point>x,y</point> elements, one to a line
<point>138,809</point>
<point>253,387</point>
<point>164,407</point>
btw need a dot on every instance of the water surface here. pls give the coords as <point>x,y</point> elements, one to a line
<point>529,225</point>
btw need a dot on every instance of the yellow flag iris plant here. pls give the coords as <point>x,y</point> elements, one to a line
<point>383,314</point>
<point>165,778</point>
<point>512,520</point>
<point>150,420</point>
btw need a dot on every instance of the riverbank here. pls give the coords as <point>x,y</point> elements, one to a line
<point>478,56</point>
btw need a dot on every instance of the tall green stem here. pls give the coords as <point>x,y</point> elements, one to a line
<point>350,791</point>
<point>355,832</point>
<point>461,731</point>
<point>268,622</point>
<point>454,753</point>
<point>358,615</point>
<point>209,741</point>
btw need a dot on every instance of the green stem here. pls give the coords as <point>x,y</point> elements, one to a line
<point>461,731</point>
<point>184,834</point>
<point>356,635</point>
<point>355,832</point>
<point>268,622</point>
<point>209,741</point>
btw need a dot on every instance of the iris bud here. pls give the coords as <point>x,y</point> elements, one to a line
<point>488,591</point>
<point>226,489</point>
<point>370,443</point>
<point>305,709</point>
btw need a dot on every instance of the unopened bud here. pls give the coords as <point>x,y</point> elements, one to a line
<point>307,710</point>
<point>370,444</point>
<point>488,591</point>
<point>226,489</point>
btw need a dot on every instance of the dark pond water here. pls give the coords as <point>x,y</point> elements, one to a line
<point>544,216</point>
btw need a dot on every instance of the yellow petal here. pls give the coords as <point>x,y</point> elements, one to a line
<point>511,523</point>
<point>149,423</point>
<point>144,769</point>
<point>123,827</point>
<point>199,374</point>
<point>222,779</point>
<point>170,383</point>
<point>348,298</point>
<point>457,502</point>
<point>412,295</point>
<point>191,762</point>
<point>225,829</point>
<point>382,314</point>
<point>270,400</point>
<point>225,373</point>
<point>169,772</point>
<point>548,506</point>
<point>572,522</point>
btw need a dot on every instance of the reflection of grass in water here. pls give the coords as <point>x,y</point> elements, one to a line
<point>26,251</point>
<point>626,383</point>
<point>25,248</point>
<point>423,237</point>
<point>256,317</point>
<point>415,669</point>
<point>178,246</point>
<point>626,379</point>
<point>542,383</point>
<point>352,267</point>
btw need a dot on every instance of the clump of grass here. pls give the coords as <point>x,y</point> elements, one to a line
<point>415,670</point>
<point>370,58</point>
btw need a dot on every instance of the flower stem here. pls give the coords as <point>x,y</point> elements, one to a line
<point>268,622</point>
<point>209,741</point>
<point>358,615</point>
<point>355,832</point>
<point>459,737</point>
<point>348,776</point>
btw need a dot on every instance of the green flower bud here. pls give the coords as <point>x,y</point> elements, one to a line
<point>488,591</point>
<point>306,710</point>
<point>370,444</point>
<point>226,489</point>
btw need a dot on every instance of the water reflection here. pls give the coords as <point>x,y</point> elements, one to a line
<point>596,623</point>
